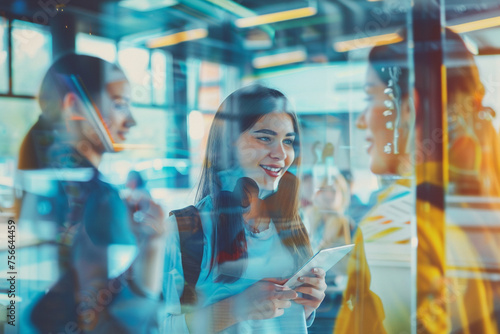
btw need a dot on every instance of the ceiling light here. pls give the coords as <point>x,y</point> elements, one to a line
<point>366,42</point>
<point>177,38</point>
<point>147,5</point>
<point>279,59</point>
<point>233,7</point>
<point>476,25</point>
<point>275,17</point>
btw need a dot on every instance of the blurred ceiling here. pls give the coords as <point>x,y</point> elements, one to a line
<point>138,21</point>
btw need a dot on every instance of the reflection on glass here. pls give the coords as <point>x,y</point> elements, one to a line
<point>489,72</point>
<point>4,58</point>
<point>379,292</point>
<point>159,76</point>
<point>96,46</point>
<point>97,237</point>
<point>31,56</point>
<point>13,127</point>
<point>472,205</point>
<point>248,206</point>
<point>145,142</point>
<point>348,73</point>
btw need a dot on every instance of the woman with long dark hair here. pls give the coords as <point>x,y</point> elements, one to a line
<point>252,236</point>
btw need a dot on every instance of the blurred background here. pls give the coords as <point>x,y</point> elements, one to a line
<point>183,57</point>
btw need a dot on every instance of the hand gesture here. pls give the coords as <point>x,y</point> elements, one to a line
<point>265,299</point>
<point>148,223</point>
<point>312,289</point>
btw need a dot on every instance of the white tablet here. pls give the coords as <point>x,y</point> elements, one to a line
<point>324,259</point>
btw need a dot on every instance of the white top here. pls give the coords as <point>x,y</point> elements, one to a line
<point>267,257</point>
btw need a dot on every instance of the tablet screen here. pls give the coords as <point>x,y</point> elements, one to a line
<point>324,259</point>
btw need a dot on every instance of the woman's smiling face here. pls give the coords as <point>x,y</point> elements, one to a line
<point>266,150</point>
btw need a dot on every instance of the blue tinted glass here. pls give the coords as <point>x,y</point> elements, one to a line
<point>31,56</point>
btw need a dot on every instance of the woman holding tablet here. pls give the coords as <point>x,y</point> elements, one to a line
<point>252,236</point>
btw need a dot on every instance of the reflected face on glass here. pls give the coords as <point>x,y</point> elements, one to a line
<point>265,151</point>
<point>114,106</point>
<point>117,113</point>
<point>374,122</point>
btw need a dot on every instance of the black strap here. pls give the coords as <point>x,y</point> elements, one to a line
<point>60,303</point>
<point>191,244</point>
<point>432,193</point>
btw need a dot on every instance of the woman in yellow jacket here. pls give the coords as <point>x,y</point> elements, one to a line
<point>380,295</point>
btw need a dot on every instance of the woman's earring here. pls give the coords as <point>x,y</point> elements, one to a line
<point>392,104</point>
<point>388,148</point>
<point>389,104</point>
<point>389,92</point>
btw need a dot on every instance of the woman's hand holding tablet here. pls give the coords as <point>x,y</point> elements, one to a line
<point>312,289</point>
<point>324,259</point>
<point>265,299</point>
<point>310,279</point>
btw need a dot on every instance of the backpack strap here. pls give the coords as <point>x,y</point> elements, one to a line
<point>191,245</point>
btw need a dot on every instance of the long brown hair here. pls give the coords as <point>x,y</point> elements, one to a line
<point>238,113</point>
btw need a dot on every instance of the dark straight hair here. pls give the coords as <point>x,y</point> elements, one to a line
<point>92,72</point>
<point>238,113</point>
<point>49,130</point>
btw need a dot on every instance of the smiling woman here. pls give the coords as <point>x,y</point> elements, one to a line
<point>265,151</point>
<point>253,237</point>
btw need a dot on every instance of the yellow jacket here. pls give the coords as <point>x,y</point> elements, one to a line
<point>445,303</point>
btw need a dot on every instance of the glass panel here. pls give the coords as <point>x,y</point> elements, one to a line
<point>472,207</point>
<point>159,75</point>
<point>135,63</point>
<point>4,56</point>
<point>96,46</point>
<point>210,83</point>
<point>381,174</point>
<point>357,183</point>
<point>13,128</point>
<point>145,143</point>
<point>292,127</point>
<point>31,56</point>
